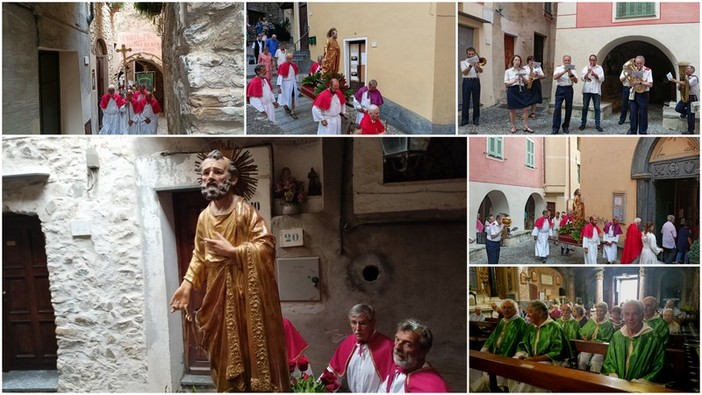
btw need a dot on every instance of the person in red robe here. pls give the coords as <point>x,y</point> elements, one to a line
<point>317,66</point>
<point>633,244</point>
<point>412,373</point>
<point>370,124</point>
<point>365,356</point>
<point>110,103</point>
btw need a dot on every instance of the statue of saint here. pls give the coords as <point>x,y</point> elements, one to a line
<point>332,52</point>
<point>314,188</point>
<point>578,207</point>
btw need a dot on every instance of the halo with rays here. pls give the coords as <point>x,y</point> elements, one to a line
<point>241,159</point>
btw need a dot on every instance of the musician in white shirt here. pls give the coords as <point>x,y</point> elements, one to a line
<point>593,76</point>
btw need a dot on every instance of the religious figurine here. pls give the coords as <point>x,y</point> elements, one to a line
<point>332,52</point>
<point>578,207</point>
<point>314,188</point>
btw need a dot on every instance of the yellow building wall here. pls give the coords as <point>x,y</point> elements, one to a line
<point>410,50</point>
<point>606,169</point>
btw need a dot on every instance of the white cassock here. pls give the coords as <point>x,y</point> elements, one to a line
<point>265,102</point>
<point>288,86</point>
<point>591,244</point>
<point>128,114</point>
<point>364,104</point>
<point>361,374</point>
<point>542,234</point>
<point>331,116</point>
<point>609,252</point>
<point>111,122</point>
<point>148,113</point>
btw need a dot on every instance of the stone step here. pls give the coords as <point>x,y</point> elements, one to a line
<point>30,381</point>
<point>197,383</point>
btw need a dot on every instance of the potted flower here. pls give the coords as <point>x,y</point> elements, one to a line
<point>291,191</point>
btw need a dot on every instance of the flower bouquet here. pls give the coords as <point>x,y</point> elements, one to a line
<point>319,82</point>
<point>291,190</point>
<point>303,382</point>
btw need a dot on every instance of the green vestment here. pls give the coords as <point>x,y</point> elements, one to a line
<point>571,327</point>
<point>604,332</point>
<point>646,352</point>
<point>506,337</point>
<point>658,324</point>
<point>548,339</point>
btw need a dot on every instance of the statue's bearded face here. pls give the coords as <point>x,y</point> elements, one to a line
<point>216,179</point>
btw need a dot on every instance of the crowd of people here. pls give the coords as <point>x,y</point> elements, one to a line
<point>329,107</point>
<point>136,113</point>
<point>640,245</point>
<point>523,90</point>
<point>637,333</point>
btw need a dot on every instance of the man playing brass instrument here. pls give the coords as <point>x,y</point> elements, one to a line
<point>638,104</point>
<point>685,107</point>
<point>470,71</point>
<point>593,76</point>
<point>564,77</point>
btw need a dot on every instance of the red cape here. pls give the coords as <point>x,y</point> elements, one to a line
<point>284,68</point>
<point>540,222</point>
<point>314,68</point>
<point>136,106</point>
<point>421,380</point>
<point>381,350</point>
<point>564,220</point>
<point>632,245</point>
<point>324,99</point>
<point>106,99</point>
<point>295,344</point>
<point>368,127</point>
<point>587,230</point>
<point>255,88</point>
<point>154,105</point>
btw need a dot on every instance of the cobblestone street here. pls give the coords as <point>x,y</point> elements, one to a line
<point>495,120</point>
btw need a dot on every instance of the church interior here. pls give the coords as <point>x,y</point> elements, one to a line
<point>569,289</point>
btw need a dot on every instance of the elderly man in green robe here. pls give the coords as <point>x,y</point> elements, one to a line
<point>544,342</point>
<point>598,329</point>
<point>568,323</point>
<point>502,341</point>
<point>635,352</point>
<point>653,319</point>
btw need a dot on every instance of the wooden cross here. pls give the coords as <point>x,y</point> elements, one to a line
<point>124,51</point>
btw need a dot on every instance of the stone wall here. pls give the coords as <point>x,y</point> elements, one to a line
<point>96,282</point>
<point>204,67</point>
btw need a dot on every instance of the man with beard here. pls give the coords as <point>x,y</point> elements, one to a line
<point>598,329</point>
<point>502,341</point>
<point>591,240</point>
<point>412,373</point>
<point>365,356</point>
<point>240,321</point>
<point>635,351</point>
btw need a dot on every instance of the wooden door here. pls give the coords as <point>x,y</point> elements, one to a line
<point>49,92</point>
<point>29,328</point>
<point>304,29</point>
<point>187,207</point>
<point>509,51</point>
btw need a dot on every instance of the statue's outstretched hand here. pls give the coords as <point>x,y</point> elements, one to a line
<point>181,299</point>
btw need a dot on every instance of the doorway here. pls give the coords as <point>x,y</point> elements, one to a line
<point>28,323</point>
<point>101,71</point>
<point>509,51</point>
<point>626,288</point>
<point>304,28</point>
<point>465,41</point>
<point>187,206</point>
<point>356,62</point>
<point>49,92</point>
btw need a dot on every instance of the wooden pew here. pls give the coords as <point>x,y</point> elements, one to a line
<point>553,378</point>
<point>591,347</point>
<point>479,331</point>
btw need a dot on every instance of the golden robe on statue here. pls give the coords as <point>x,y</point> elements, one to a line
<point>240,320</point>
<point>332,53</point>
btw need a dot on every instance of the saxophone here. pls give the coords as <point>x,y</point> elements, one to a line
<point>629,69</point>
<point>684,88</point>
<point>531,77</point>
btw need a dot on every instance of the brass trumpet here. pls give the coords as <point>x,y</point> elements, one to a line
<point>482,61</point>
<point>634,82</point>
<point>684,88</point>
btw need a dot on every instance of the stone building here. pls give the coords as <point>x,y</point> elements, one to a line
<point>500,30</point>
<point>409,54</point>
<point>562,174</point>
<point>107,225</point>
<point>200,83</point>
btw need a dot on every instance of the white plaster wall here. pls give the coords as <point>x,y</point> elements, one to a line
<point>97,283</point>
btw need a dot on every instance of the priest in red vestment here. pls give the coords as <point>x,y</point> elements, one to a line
<point>412,373</point>
<point>633,244</point>
<point>365,356</point>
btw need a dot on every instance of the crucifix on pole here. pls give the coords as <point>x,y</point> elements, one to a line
<point>124,51</point>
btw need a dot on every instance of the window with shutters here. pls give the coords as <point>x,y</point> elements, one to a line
<point>635,10</point>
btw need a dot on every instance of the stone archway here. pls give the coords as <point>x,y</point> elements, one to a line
<point>101,71</point>
<point>613,55</point>
<point>667,174</point>
<point>143,61</point>
<point>495,202</point>
<point>532,209</point>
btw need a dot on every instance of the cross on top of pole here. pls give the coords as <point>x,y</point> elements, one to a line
<point>124,50</point>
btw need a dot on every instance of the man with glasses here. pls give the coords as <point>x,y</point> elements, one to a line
<point>593,76</point>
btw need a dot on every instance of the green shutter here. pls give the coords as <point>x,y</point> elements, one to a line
<point>635,10</point>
